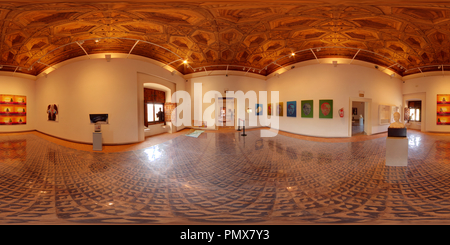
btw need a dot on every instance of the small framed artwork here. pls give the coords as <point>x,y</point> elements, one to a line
<point>279,108</point>
<point>269,109</point>
<point>291,110</point>
<point>53,112</point>
<point>355,111</point>
<point>259,109</point>
<point>307,108</point>
<point>325,108</point>
<point>443,110</point>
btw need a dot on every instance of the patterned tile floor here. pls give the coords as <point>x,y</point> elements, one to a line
<point>225,178</point>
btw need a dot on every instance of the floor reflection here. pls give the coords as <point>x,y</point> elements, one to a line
<point>225,178</point>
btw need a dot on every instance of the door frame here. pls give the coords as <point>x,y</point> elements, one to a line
<point>367,114</point>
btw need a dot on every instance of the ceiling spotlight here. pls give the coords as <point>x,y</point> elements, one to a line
<point>318,49</point>
<point>1,66</point>
<point>97,40</point>
<point>81,42</point>
<point>392,75</point>
<point>185,61</point>
<point>293,54</point>
<point>439,67</point>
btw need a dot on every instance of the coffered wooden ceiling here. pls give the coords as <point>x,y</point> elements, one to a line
<point>408,37</point>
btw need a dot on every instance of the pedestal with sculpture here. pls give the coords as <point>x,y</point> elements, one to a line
<point>397,143</point>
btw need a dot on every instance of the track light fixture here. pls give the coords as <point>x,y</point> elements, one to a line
<point>185,61</point>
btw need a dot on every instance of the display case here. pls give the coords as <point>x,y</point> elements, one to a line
<point>443,109</point>
<point>13,109</point>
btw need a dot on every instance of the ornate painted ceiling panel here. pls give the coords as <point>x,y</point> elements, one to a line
<point>255,35</point>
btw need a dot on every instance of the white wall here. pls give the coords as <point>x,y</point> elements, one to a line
<point>324,81</point>
<point>95,86</point>
<point>428,88</point>
<point>20,86</point>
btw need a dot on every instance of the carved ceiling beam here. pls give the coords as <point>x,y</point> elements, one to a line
<point>318,61</point>
<point>132,48</point>
<point>355,56</point>
<point>79,44</point>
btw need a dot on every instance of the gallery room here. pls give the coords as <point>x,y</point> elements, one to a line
<point>131,112</point>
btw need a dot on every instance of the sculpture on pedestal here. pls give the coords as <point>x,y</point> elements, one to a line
<point>396,123</point>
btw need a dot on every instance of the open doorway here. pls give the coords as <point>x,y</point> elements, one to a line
<point>360,116</point>
<point>227,112</point>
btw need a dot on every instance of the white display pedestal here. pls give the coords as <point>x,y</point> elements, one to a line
<point>97,141</point>
<point>396,151</point>
<point>361,121</point>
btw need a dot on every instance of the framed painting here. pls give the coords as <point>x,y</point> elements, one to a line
<point>355,111</point>
<point>325,108</point>
<point>13,109</point>
<point>269,109</point>
<point>279,108</point>
<point>443,109</point>
<point>259,109</point>
<point>291,110</point>
<point>307,108</point>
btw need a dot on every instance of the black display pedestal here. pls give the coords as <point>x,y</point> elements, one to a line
<point>396,132</point>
